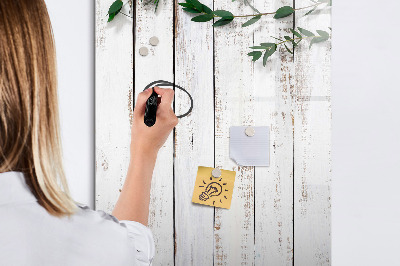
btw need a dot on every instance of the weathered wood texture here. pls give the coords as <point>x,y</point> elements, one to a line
<point>234,106</point>
<point>194,138</point>
<point>312,139</point>
<point>155,66</point>
<point>280,215</point>
<point>114,83</point>
<point>274,87</point>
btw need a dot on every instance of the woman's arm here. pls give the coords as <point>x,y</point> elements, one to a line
<point>133,202</point>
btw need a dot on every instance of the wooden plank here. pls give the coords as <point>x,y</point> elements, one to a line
<point>158,64</point>
<point>114,81</point>
<point>274,85</point>
<point>234,106</point>
<point>258,227</point>
<point>312,184</point>
<point>312,136</point>
<point>194,138</point>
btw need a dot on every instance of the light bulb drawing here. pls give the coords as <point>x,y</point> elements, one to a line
<point>213,189</point>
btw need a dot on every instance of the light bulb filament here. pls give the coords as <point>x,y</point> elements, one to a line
<point>213,189</point>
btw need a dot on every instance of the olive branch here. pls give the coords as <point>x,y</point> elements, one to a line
<point>224,17</point>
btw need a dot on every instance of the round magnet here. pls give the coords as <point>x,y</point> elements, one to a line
<point>154,41</point>
<point>143,51</point>
<point>216,173</point>
<point>250,131</point>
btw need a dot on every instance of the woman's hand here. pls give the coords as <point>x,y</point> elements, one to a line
<point>133,202</point>
<point>148,140</point>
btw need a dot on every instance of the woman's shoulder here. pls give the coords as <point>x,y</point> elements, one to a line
<point>98,221</point>
<point>85,212</point>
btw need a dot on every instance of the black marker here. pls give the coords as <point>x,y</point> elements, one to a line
<point>151,109</point>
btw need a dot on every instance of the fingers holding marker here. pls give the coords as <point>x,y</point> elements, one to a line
<point>141,102</point>
<point>167,96</point>
<point>165,110</point>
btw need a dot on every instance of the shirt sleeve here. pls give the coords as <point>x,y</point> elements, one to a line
<point>139,235</point>
<point>143,241</point>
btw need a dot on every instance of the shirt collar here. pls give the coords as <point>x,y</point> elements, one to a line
<point>13,188</point>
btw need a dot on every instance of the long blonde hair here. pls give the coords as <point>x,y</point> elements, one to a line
<point>29,120</point>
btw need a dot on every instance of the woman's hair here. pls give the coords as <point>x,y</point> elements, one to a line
<point>29,119</point>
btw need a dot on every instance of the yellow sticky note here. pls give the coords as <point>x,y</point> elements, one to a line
<point>212,191</point>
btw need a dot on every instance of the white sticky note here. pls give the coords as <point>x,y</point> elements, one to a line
<point>249,150</point>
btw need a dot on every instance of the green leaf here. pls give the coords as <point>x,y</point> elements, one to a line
<point>223,13</point>
<point>206,9</point>
<point>296,33</point>
<point>310,11</point>
<point>226,17</point>
<point>317,40</point>
<point>203,18</point>
<point>284,12</point>
<point>156,2</point>
<point>267,44</point>
<point>115,7</point>
<point>306,32</point>
<point>186,5</point>
<point>111,17</point>
<point>323,33</point>
<point>223,21</point>
<point>255,54</point>
<point>288,38</point>
<point>287,48</point>
<point>268,53</point>
<point>251,21</point>
<point>196,4</point>
<point>191,10</point>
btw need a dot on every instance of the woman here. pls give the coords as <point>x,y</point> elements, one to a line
<point>40,224</point>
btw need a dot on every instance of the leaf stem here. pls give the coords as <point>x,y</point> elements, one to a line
<point>126,14</point>
<point>298,38</point>
<point>272,13</point>
<point>289,40</point>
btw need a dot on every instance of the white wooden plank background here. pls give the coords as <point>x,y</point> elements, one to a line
<point>194,138</point>
<point>159,65</point>
<point>312,138</point>
<point>274,87</point>
<point>280,215</point>
<point>114,83</point>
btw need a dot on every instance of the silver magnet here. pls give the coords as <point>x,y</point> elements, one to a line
<point>216,173</point>
<point>143,51</point>
<point>154,41</point>
<point>250,131</point>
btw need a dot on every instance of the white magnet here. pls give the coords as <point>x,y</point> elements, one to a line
<point>250,131</point>
<point>154,41</point>
<point>216,172</point>
<point>143,51</point>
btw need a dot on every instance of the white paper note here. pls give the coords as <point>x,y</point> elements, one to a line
<point>249,151</point>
